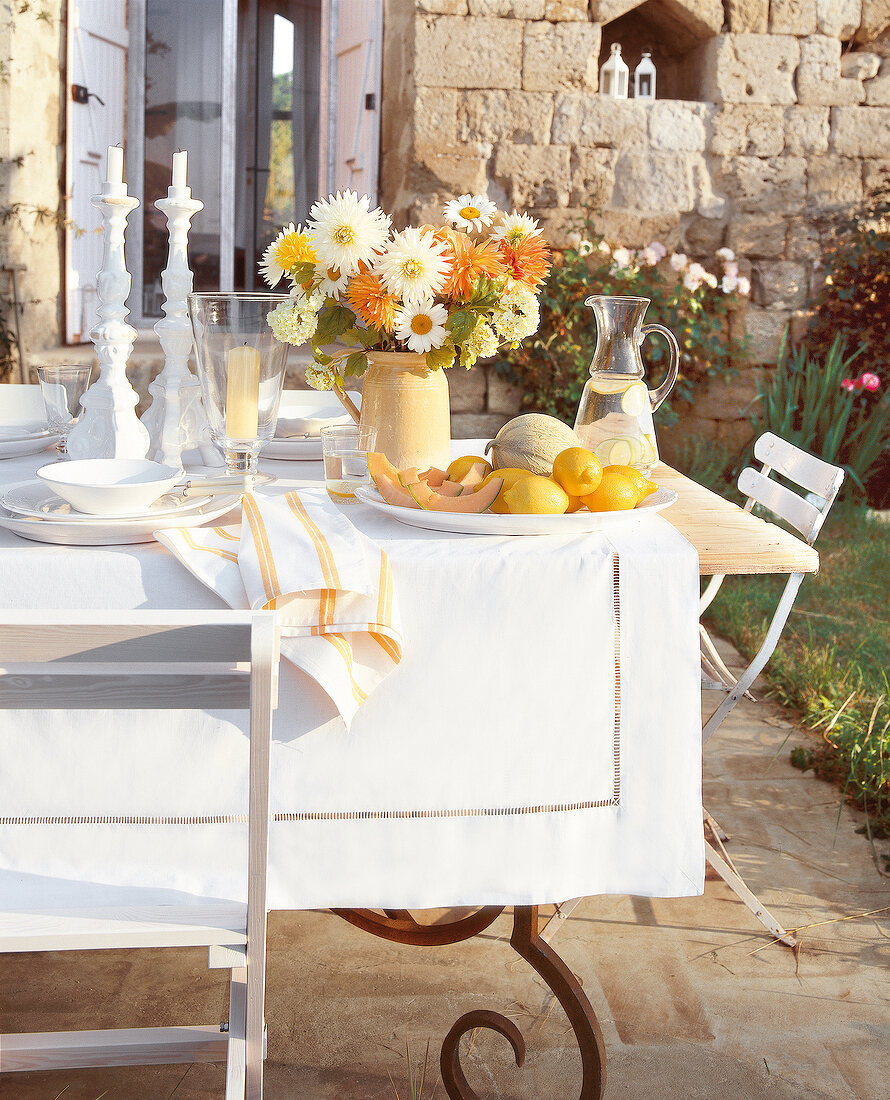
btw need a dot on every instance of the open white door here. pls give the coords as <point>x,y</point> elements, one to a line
<point>97,71</point>
<point>356,78</point>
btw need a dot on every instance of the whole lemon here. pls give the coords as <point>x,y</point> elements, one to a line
<point>536,496</point>
<point>577,470</point>
<point>616,492</point>
<point>510,477</point>
<point>575,504</point>
<point>462,466</point>
<point>643,484</point>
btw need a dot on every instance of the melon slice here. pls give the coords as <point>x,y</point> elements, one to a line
<point>449,488</point>
<point>432,501</point>
<point>380,466</point>
<point>433,476</point>
<point>394,493</point>
<point>475,475</point>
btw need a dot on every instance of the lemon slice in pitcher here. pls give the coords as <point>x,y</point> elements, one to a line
<point>607,385</point>
<point>635,399</point>
<point>621,450</point>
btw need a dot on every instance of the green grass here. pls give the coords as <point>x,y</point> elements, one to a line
<point>832,662</point>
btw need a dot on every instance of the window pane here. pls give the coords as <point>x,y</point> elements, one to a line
<point>183,110</point>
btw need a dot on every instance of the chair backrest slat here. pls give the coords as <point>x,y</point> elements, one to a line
<point>111,690</point>
<point>121,642</point>
<point>794,509</point>
<point>811,473</point>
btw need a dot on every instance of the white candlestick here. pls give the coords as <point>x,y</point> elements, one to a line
<point>180,167</point>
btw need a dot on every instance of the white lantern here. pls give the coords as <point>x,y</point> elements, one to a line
<point>614,75</point>
<point>644,78</point>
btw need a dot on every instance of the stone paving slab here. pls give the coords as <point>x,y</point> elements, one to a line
<point>693,1000</point>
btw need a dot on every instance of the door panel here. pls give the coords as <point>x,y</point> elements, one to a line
<point>356,79</point>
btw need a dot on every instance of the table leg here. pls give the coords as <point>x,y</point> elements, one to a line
<point>400,926</point>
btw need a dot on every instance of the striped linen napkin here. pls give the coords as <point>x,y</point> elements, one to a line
<point>298,554</point>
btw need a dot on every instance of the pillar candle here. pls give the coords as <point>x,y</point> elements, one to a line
<point>242,393</point>
<point>180,166</point>
<point>114,167</point>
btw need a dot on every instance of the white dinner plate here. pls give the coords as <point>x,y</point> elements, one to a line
<point>28,444</point>
<point>315,408</point>
<point>489,523</point>
<point>14,430</point>
<point>35,498</point>
<point>105,531</point>
<point>293,450</point>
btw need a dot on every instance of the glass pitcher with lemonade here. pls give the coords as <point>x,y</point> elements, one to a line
<point>615,414</point>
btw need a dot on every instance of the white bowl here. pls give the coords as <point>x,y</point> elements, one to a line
<point>110,486</point>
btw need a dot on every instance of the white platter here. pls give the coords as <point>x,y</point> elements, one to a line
<point>34,498</point>
<point>293,450</point>
<point>102,531</point>
<point>488,523</point>
<point>14,430</point>
<point>316,408</point>
<point>28,445</point>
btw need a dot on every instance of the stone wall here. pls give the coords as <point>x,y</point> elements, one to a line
<point>785,116</point>
<point>31,165</point>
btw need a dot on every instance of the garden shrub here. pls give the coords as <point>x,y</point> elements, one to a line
<point>551,368</point>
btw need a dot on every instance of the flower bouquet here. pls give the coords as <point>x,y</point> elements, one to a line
<point>455,292</point>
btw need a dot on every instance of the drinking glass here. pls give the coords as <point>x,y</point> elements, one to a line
<point>345,451</point>
<point>62,386</point>
<point>241,371</point>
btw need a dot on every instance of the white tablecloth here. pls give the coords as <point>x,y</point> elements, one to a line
<point>540,740</point>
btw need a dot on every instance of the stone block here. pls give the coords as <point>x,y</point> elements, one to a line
<point>755,131</point>
<point>747,16</point>
<point>773,186</point>
<point>443,7</point>
<point>435,116</point>
<point>591,120</point>
<point>779,284</point>
<point>819,79</point>
<point>726,397</point>
<point>838,18</point>
<point>877,92</point>
<point>708,203</point>
<point>834,181</point>
<point>525,118</point>
<point>678,127</point>
<point>806,130</point>
<point>792,17</point>
<point>503,396</point>
<point>533,175</point>
<point>803,240</point>
<point>465,52</point>
<point>593,177</point>
<point>558,11</point>
<point>456,170</point>
<point>750,68</point>
<point>518,9</point>
<point>701,18</point>
<point>467,389</point>
<point>875,173</point>
<point>860,65</point>
<point>630,229</point>
<point>860,131</point>
<point>764,329</point>
<point>703,236</point>
<point>759,236</point>
<point>660,183</point>
<point>875,19</point>
<point>477,425</point>
<point>560,56</point>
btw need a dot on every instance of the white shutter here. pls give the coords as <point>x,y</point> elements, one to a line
<point>97,60</point>
<point>356,79</point>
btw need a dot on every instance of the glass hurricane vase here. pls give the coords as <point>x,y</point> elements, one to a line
<point>241,370</point>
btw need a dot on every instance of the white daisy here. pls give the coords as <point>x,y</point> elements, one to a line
<point>421,325</point>
<point>347,233</point>
<point>331,281</point>
<point>515,228</point>
<point>414,267</point>
<point>470,212</point>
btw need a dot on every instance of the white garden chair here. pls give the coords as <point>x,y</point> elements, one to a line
<point>822,481</point>
<point>20,402</point>
<point>149,661</point>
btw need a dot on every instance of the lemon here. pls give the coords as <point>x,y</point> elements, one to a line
<point>620,449</point>
<point>577,470</point>
<point>575,504</point>
<point>616,492</point>
<point>510,477</point>
<point>643,485</point>
<point>650,451</point>
<point>635,399</point>
<point>536,496</point>
<point>462,466</point>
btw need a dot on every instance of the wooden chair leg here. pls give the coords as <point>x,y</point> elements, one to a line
<point>236,1063</point>
<point>563,911</point>
<point>716,828</point>
<point>727,871</point>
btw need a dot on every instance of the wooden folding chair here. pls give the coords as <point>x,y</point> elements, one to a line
<point>148,661</point>
<point>822,481</point>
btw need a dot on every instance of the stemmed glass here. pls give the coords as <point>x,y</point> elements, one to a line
<point>241,371</point>
<point>62,386</point>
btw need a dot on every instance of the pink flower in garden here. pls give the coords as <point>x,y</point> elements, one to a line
<point>744,286</point>
<point>848,384</point>
<point>731,268</point>
<point>729,283</point>
<point>678,261</point>
<point>870,382</point>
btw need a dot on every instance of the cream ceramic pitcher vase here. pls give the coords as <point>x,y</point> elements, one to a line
<point>407,402</point>
<point>615,414</point>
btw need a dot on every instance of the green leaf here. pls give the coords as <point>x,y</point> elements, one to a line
<point>441,357</point>
<point>460,324</point>
<point>356,364</point>
<point>333,323</point>
<point>302,272</point>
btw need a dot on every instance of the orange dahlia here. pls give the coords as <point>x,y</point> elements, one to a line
<point>372,301</point>
<point>527,261</point>
<point>470,260</point>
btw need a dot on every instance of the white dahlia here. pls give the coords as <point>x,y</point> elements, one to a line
<point>414,266</point>
<point>516,227</point>
<point>346,232</point>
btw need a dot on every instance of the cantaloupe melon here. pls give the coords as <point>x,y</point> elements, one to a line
<point>531,442</point>
<point>432,501</point>
<point>379,466</point>
<point>394,493</point>
<point>433,476</point>
<point>450,488</point>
